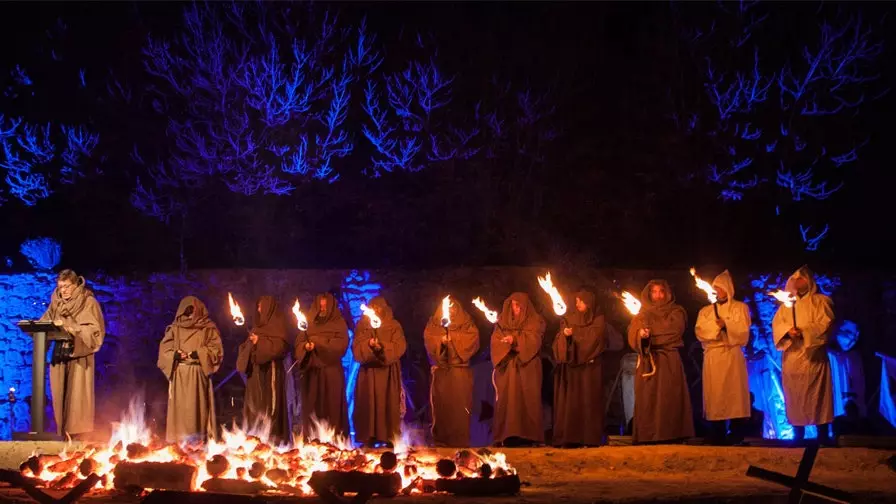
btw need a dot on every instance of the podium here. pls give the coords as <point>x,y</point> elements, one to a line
<point>41,333</point>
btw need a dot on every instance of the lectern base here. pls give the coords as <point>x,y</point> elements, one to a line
<point>36,436</point>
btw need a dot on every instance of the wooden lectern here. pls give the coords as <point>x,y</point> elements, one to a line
<point>41,333</point>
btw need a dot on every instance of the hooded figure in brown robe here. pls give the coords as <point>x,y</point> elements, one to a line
<point>74,308</point>
<point>805,368</point>
<point>578,385</point>
<point>188,355</point>
<point>379,396</point>
<point>515,347</point>
<point>451,392</point>
<point>662,401</point>
<point>319,353</point>
<point>260,358</point>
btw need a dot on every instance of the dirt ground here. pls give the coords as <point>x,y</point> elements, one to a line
<point>637,474</point>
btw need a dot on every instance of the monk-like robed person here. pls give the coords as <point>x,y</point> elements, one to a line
<point>662,401</point>
<point>451,392</point>
<point>189,353</point>
<point>515,347</point>
<point>261,357</point>
<point>319,353</point>
<point>74,308</point>
<point>805,368</point>
<point>724,330</point>
<point>379,397</point>
<point>578,384</point>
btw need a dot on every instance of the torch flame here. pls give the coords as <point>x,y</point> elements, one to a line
<point>548,286</point>
<point>301,321</point>
<point>235,311</point>
<point>632,304</point>
<point>375,321</point>
<point>490,315</point>
<point>446,313</point>
<point>705,287</point>
<point>783,296</point>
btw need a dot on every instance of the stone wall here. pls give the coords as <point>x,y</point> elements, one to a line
<point>137,308</point>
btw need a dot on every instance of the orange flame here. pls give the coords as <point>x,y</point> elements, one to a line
<point>301,321</point>
<point>375,321</point>
<point>548,286</point>
<point>235,311</point>
<point>783,296</point>
<point>490,315</point>
<point>446,312</point>
<point>632,304</point>
<point>705,287</point>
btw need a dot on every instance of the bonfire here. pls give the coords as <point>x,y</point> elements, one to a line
<point>243,461</point>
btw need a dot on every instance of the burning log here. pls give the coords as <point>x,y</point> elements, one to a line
<point>388,461</point>
<point>446,468</point>
<point>87,466</point>
<point>234,486</point>
<point>37,463</point>
<point>66,481</point>
<point>257,470</point>
<point>155,475</point>
<point>65,465</point>
<point>480,487</point>
<point>137,451</point>
<point>277,475</point>
<point>387,485</point>
<point>217,465</point>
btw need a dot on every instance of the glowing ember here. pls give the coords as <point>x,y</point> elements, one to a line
<point>556,298</point>
<point>247,461</point>
<point>235,311</point>
<point>705,287</point>
<point>301,321</point>
<point>632,304</point>
<point>490,315</point>
<point>783,296</point>
<point>375,321</point>
<point>446,312</point>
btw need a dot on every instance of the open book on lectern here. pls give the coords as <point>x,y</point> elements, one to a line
<point>53,332</point>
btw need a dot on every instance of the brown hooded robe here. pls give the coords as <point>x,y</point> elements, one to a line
<point>518,374</point>
<point>263,365</point>
<point>662,401</point>
<point>322,377</point>
<point>451,390</point>
<point>578,384</point>
<point>72,366</point>
<point>191,398</point>
<point>379,400</point>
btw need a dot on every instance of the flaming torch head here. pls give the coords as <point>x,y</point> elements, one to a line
<point>490,315</point>
<point>235,311</point>
<point>301,321</point>
<point>556,298</point>
<point>446,311</point>
<point>705,287</point>
<point>632,304</point>
<point>783,296</point>
<point>375,321</point>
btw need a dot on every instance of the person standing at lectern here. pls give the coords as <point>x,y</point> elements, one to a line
<point>76,311</point>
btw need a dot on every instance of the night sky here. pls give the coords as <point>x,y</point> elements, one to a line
<point>618,184</point>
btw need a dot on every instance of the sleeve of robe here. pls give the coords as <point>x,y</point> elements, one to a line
<point>244,356</point>
<point>668,331</point>
<point>393,347</point>
<point>815,333</point>
<point>634,341</point>
<point>329,346</point>
<point>706,328</point>
<point>432,340</point>
<point>739,326</point>
<point>590,340</point>
<point>464,343</point>
<point>89,331</point>
<point>361,351</point>
<point>781,323</point>
<point>166,353</point>
<point>498,348</point>
<point>268,349</point>
<point>528,341</point>
<point>211,353</point>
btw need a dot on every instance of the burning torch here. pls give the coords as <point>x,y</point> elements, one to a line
<point>375,321</point>
<point>710,292</point>
<point>633,305</point>
<point>490,315</point>
<point>559,306</point>
<point>302,324</point>
<point>235,311</point>
<point>788,300</point>
<point>446,316</point>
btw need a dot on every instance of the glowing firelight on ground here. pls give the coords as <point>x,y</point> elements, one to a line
<point>490,315</point>
<point>548,286</point>
<point>235,311</point>
<point>705,287</point>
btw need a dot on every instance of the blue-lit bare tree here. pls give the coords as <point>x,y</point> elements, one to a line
<point>781,115</point>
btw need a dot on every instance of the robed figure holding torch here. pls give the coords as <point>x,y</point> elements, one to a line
<point>451,339</point>
<point>190,352</point>
<point>801,328</point>
<point>578,385</point>
<point>515,348</point>
<point>260,358</point>
<point>723,328</point>
<point>319,352</point>
<point>662,401</point>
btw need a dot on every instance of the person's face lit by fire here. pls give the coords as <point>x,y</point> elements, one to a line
<point>658,293</point>
<point>452,309</point>
<point>721,294</point>
<point>580,305</point>
<point>323,306</point>
<point>802,285</point>
<point>515,307</point>
<point>66,288</point>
